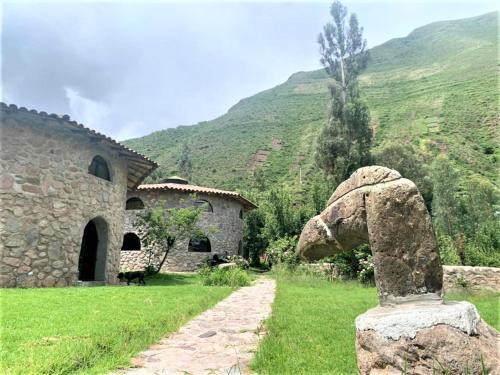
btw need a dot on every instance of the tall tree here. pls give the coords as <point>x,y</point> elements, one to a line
<point>344,143</point>
<point>184,161</point>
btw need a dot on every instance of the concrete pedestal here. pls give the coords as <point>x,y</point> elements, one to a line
<point>420,337</point>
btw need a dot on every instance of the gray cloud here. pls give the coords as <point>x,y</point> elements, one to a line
<point>129,69</point>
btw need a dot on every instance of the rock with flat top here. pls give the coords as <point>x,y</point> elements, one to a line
<point>425,339</point>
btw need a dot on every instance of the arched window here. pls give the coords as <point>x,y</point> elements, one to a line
<point>131,241</point>
<point>99,168</point>
<point>199,245</point>
<point>241,214</point>
<point>134,204</point>
<point>206,204</point>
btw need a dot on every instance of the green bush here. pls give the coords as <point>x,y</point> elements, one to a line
<point>282,251</point>
<point>366,268</point>
<point>239,261</point>
<point>448,251</point>
<point>233,277</point>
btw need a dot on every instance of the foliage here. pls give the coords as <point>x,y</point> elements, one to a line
<point>239,261</point>
<point>184,163</point>
<point>161,228</point>
<point>344,143</point>
<point>411,162</point>
<point>228,276</point>
<point>366,272</point>
<point>282,250</point>
<point>282,216</point>
<point>95,330</point>
<point>446,203</point>
<point>448,251</point>
<point>254,240</point>
<point>464,218</point>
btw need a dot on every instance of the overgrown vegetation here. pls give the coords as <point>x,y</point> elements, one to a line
<point>94,330</point>
<point>228,276</point>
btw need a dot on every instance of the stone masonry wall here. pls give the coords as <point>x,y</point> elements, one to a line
<point>474,277</point>
<point>48,197</point>
<point>224,227</point>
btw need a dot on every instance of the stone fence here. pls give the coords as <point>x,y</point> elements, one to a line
<point>454,277</point>
<point>471,277</point>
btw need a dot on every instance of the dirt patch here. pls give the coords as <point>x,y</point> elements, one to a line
<point>277,144</point>
<point>259,158</point>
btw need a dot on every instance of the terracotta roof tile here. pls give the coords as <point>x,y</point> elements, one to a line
<point>200,189</point>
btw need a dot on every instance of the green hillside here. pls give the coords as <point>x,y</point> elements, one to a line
<point>436,88</point>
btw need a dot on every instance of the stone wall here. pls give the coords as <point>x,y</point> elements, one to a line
<point>223,226</point>
<point>132,260</point>
<point>48,197</point>
<point>487,278</point>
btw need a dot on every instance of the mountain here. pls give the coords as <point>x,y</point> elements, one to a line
<point>436,88</point>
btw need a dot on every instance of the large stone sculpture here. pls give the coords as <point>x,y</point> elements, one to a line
<point>412,328</point>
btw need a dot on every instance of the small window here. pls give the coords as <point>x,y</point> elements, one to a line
<point>99,168</point>
<point>134,204</point>
<point>241,214</point>
<point>131,241</point>
<point>240,248</point>
<point>199,245</point>
<point>206,204</point>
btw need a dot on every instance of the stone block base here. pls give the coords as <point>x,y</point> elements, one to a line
<point>425,339</point>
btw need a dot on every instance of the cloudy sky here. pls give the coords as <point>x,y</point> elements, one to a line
<point>132,68</point>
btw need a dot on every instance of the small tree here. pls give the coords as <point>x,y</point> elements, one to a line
<point>344,143</point>
<point>161,228</point>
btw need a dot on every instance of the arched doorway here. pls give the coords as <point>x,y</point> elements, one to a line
<point>92,260</point>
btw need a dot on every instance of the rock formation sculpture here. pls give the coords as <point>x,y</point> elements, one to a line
<point>413,330</point>
<point>377,206</point>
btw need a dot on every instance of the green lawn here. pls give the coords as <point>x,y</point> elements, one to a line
<point>94,330</point>
<point>311,330</point>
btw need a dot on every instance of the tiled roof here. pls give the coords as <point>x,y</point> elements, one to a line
<point>200,189</point>
<point>139,166</point>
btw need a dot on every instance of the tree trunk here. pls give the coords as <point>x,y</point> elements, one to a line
<point>162,261</point>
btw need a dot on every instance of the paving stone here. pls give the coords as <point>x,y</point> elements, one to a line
<point>206,345</point>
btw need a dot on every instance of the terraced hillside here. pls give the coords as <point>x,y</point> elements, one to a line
<point>436,88</point>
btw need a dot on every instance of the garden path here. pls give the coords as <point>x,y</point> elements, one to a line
<point>219,341</point>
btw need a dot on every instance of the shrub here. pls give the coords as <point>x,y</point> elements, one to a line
<point>448,251</point>
<point>239,261</point>
<point>366,270</point>
<point>232,277</point>
<point>282,250</point>
<point>354,264</point>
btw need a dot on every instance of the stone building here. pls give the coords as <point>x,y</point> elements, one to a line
<point>63,191</point>
<point>223,223</point>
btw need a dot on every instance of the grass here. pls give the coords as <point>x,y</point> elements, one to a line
<point>311,329</point>
<point>233,277</point>
<point>94,330</point>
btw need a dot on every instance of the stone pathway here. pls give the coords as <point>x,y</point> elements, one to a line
<point>219,341</point>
